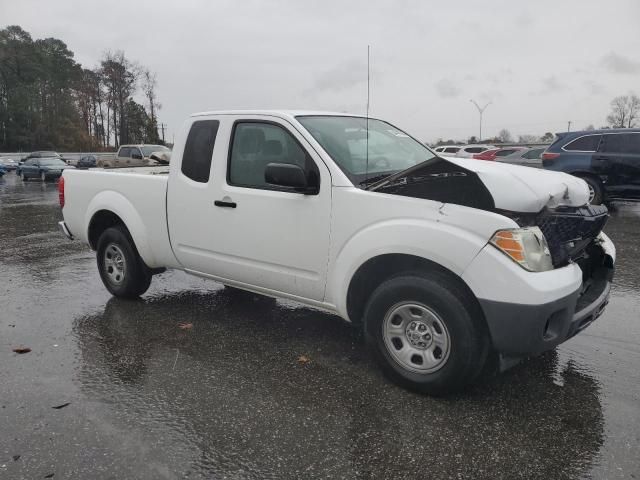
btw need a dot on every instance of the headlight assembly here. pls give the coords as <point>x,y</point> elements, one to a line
<point>525,246</point>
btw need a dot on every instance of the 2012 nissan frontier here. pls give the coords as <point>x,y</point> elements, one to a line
<point>440,260</point>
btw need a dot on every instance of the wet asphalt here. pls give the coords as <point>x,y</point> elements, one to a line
<point>229,396</point>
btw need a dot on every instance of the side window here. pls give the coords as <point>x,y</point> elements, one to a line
<point>451,150</point>
<point>255,145</point>
<point>475,150</point>
<point>587,143</point>
<point>622,143</point>
<point>29,161</point>
<point>124,152</point>
<point>198,151</point>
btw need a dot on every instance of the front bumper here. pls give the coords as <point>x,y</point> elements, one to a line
<point>518,329</point>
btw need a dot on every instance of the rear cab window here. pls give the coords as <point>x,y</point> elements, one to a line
<point>198,150</point>
<point>124,152</point>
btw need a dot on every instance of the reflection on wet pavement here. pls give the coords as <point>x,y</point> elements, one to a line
<point>228,398</point>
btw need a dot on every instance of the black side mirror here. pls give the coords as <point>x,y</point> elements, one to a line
<point>136,156</point>
<point>289,175</point>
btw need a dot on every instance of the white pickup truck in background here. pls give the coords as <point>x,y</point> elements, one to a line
<point>442,261</point>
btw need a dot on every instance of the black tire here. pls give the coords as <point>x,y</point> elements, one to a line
<point>135,275</point>
<point>595,186</point>
<point>454,308</point>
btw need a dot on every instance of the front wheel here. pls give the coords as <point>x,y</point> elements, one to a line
<point>426,332</point>
<point>122,270</point>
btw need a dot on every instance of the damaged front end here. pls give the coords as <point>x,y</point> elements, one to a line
<point>558,206</point>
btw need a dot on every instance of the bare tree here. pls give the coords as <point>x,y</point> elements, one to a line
<point>625,110</point>
<point>505,136</point>
<point>149,84</point>
<point>526,139</point>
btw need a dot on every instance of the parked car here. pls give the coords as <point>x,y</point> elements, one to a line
<point>87,161</point>
<point>494,153</point>
<point>528,157</point>
<point>447,149</point>
<point>134,156</point>
<point>440,260</point>
<point>608,160</point>
<point>468,151</point>
<point>9,164</point>
<point>43,168</point>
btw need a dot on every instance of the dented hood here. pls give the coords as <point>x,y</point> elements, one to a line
<point>526,189</point>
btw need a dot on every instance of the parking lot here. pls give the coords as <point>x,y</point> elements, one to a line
<point>196,382</point>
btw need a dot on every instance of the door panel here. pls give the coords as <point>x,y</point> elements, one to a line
<point>620,157</point>
<point>278,240</point>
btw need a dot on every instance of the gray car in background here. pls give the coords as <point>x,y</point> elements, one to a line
<point>529,157</point>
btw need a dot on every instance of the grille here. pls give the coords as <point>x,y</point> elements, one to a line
<point>570,230</point>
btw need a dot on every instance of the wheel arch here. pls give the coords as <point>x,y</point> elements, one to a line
<point>108,209</point>
<point>380,268</point>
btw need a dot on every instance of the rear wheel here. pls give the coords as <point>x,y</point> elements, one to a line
<point>426,332</point>
<point>122,270</point>
<point>596,192</point>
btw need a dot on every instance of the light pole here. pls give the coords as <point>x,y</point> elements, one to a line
<point>480,111</point>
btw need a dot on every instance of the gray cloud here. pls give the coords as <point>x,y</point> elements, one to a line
<point>342,76</point>
<point>594,87</point>
<point>552,85</point>
<point>620,64</point>
<point>524,20</point>
<point>446,88</point>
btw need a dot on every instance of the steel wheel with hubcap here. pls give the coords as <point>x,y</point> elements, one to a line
<point>114,263</point>
<point>122,270</point>
<point>417,337</point>
<point>427,331</point>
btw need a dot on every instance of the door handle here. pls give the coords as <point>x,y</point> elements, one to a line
<point>220,203</point>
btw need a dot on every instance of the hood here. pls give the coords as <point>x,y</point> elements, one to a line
<point>525,189</point>
<point>486,185</point>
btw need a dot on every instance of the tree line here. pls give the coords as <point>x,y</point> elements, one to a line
<point>48,101</point>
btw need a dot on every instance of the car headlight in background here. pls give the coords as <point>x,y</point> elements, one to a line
<point>525,246</point>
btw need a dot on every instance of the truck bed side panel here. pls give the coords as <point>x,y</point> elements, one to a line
<point>139,199</point>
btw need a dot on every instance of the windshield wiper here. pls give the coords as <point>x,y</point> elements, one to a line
<point>375,179</point>
<point>383,180</point>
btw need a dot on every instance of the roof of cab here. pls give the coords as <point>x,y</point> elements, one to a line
<point>276,113</point>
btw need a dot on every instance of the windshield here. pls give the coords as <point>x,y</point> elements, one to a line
<point>52,162</point>
<point>345,139</point>
<point>149,149</point>
<point>48,154</point>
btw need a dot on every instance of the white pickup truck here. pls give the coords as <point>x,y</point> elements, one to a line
<point>442,261</point>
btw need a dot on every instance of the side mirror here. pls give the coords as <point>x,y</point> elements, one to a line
<point>136,156</point>
<point>289,175</point>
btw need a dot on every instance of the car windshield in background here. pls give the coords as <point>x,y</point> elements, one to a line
<point>149,149</point>
<point>345,139</point>
<point>52,162</point>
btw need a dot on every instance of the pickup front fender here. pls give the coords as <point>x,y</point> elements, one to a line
<point>446,245</point>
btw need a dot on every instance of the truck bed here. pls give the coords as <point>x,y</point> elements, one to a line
<point>136,194</point>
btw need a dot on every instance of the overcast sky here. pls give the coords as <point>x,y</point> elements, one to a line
<point>541,63</point>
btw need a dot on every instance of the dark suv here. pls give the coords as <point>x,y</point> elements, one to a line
<point>608,160</point>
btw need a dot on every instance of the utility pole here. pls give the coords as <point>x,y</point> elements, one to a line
<point>569,126</point>
<point>162,127</point>
<point>480,111</point>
